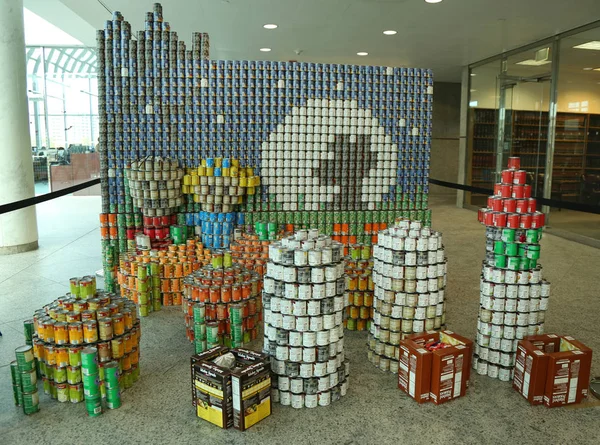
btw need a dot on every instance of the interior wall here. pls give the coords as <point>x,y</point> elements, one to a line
<point>445,135</point>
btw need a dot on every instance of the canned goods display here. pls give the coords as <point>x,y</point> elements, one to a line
<point>303,315</point>
<point>513,296</point>
<point>409,274</point>
<point>105,333</point>
<point>222,306</point>
<point>250,251</point>
<point>154,278</point>
<point>341,147</point>
<point>359,286</point>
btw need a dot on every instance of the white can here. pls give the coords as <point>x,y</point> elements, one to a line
<point>285,398</point>
<point>506,345</point>
<point>311,400</point>
<point>498,304</point>
<point>315,257</point>
<point>291,290</point>
<point>318,290</point>
<point>510,332</point>
<point>493,356</point>
<point>309,339</point>
<point>285,306</point>
<point>306,370</point>
<point>512,291</point>
<point>289,322</point>
<point>322,338</point>
<point>522,305</point>
<point>510,318</point>
<point>504,374</point>
<point>484,353</point>
<point>300,257</point>
<point>493,370</point>
<point>302,323</point>
<point>497,318</point>
<point>494,343</point>
<point>324,398</point>
<point>320,369</point>
<point>299,308</point>
<point>510,305</point>
<point>482,367</point>
<point>317,274</point>
<point>297,401</point>
<point>283,383</point>
<point>313,307</point>
<point>305,291</point>
<point>276,320</point>
<point>282,353</point>
<point>296,354</point>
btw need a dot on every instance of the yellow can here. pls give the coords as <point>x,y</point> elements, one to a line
<point>61,354</point>
<point>118,324</point>
<point>76,333</point>
<point>61,333</point>
<point>134,356</point>
<point>352,282</point>
<point>90,331</point>
<point>48,327</point>
<point>126,362</point>
<point>365,313</point>
<point>363,282</point>
<point>49,354</point>
<point>354,311</point>
<point>368,299</point>
<point>105,328</point>
<point>358,299</point>
<point>128,342</point>
<point>118,348</point>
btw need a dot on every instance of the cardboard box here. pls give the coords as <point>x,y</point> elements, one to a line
<point>552,370</point>
<point>238,397</point>
<point>439,376</point>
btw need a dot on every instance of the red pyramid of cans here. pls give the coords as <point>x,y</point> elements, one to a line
<point>511,205</point>
<point>513,295</point>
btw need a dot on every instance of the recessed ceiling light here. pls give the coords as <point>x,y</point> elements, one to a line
<point>588,69</point>
<point>362,53</point>
<point>265,50</point>
<point>473,74</point>
<point>270,26</point>
<point>594,45</point>
<point>433,1</point>
<point>390,32</point>
<point>596,69</point>
<point>472,91</point>
<point>533,62</point>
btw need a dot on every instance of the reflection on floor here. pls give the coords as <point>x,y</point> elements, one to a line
<point>158,408</point>
<point>586,224</point>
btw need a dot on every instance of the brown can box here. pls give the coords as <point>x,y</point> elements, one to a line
<point>439,376</point>
<point>553,370</point>
<point>239,397</point>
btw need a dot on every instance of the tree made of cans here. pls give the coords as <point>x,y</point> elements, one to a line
<point>513,295</point>
<point>303,301</point>
<point>409,274</point>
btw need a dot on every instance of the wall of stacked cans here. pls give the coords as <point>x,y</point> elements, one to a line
<point>343,148</point>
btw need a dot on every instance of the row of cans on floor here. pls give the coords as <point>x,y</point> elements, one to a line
<point>24,380</point>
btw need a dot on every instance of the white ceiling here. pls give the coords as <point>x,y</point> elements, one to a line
<point>443,36</point>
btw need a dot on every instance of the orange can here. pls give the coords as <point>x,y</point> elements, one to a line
<point>38,349</point>
<point>203,293</point>
<point>221,311</point>
<point>112,219</point>
<point>90,331</point>
<point>363,283</point>
<point>176,285</point>
<point>178,270</point>
<point>49,354</point>
<point>246,290</point>
<point>128,343</point>
<point>352,282</point>
<point>215,294</point>
<point>118,324</point>
<point>61,333</point>
<point>61,354</point>
<point>76,333</point>
<point>236,292</point>
<point>226,292</point>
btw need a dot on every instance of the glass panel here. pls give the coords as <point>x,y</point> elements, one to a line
<point>576,173</point>
<point>483,129</point>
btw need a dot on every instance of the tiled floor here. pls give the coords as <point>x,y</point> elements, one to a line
<point>158,408</point>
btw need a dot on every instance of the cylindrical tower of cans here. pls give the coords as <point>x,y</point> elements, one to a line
<point>409,273</point>
<point>513,295</point>
<point>359,284</point>
<point>304,333</point>
<point>222,304</point>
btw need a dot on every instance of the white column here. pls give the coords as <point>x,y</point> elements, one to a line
<point>18,229</point>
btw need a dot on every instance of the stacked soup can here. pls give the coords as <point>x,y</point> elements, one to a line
<point>359,284</point>
<point>304,298</point>
<point>62,330</point>
<point>513,295</point>
<point>222,304</point>
<point>154,278</point>
<point>409,273</point>
<point>24,380</point>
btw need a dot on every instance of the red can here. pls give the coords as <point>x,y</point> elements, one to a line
<point>531,205</point>
<point>527,191</point>
<point>514,162</point>
<point>488,218</point>
<point>150,232</point>
<point>537,220</point>
<point>497,204</point>
<point>489,201</point>
<point>499,219</point>
<point>497,189</point>
<point>481,215</point>
<point>509,205</point>
<point>520,177</point>
<point>165,220</point>
<point>507,176</point>
<point>173,219</point>
<point>130,233</point>
<point>517,191</point>
<point>522,206</point>
<point>156,221</point>
<point>147,221</point>
<point>161,233</point>
<point>512,221</point>
<point>525,222</point>
<point>505,190</point>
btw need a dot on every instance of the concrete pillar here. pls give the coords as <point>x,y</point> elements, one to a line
<point>18,229</point>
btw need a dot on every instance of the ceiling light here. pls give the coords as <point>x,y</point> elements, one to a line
<point>390,32</point>
<point>594,44</point>
<point>473,74</point>
<point>596,69</point>
<point>362,53</point>
<point>265,50</point>
<point>433,1</point>
<point>270,26</point>
<point>533,62</point>
<point>588,69</point>
<point>472,91</point>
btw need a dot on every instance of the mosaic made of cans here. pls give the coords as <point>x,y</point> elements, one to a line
<point>409,273</point>
<point>288,121</point>
<point>513,294</point>
<point>219,184</point>
<point>62,331</point>
<point>222,304</point>
<point>154,278</point>
<point>359,287</point>
<point>304,295</point>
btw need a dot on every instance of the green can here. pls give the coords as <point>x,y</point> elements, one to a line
<point>199,312</point>
<point>93,406</point>
<point>28,380</point>
<point>499,247</point>
<point>237,333</point>
<point>365,252</point>
<point>15,373</point>
<point>60,374</point>
<point>31,402</point>
<point>113,402</point>
<point>177,234</point>
<point>199,346</point>
<point>127,380</point>
<point>247,337</point>
<point>28,330</point>
<point>212,332</point>
<point>17,395</point>
<point>76,393</point>
<point>525,264</point>
<point>25,358</point>
<point>135,372</point>
<point>53,390</point>
<point>46,384</point>
<point>500,261</point>
<point>533,236</point>
<point>351,324</point>
<point>512,249</point>
<point>513,263</point>
<point>522,251</point>
<point>200,331</point>
<point>111,375</point>
<point>227,260</point>
<point>89,360</point>
<point>62,392</point>
<point>236,313</point>
<point>533,252</point>
<point>508,235</point>
<point>49,372</point>
<point>73,375</point>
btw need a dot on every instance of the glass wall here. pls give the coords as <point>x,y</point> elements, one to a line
<point>63,114</point>
<point>511,113</point>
